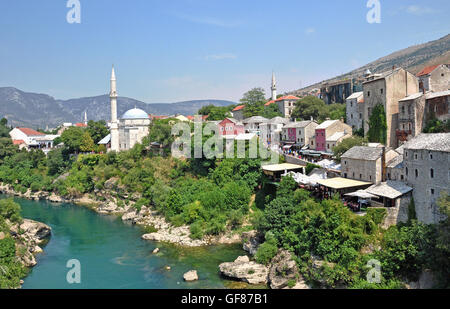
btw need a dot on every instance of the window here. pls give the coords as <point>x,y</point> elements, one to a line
<point>417,173</point>
<point>432,173</point>
<point>432,191</point>
<point>431,156</point>
<point>353,174</point>
<point>360,176</point>
<point>381,90</point>
<point>360,116</point>
<point>401,177</point>
<point>368,93</point>
<point>345,163</point>
<point>415,156</point>
<point>352,116</point>
<point>345,175</point>
<point>403,109</point>
<point>406,170</point>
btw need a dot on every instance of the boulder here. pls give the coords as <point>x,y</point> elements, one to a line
<point>283,269</point>
<point>35,231</point>
<point>190,276</point>
<point>129,216</point>
<point>156,250</point>
<point>252,240</point>
<point>245,270</point>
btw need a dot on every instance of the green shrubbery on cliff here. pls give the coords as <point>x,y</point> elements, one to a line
<point>344,242</point>
<point>11,269</point>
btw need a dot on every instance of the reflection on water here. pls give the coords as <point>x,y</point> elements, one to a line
<point>112,254</point>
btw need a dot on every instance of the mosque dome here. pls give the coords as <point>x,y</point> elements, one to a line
<point>135,113</point>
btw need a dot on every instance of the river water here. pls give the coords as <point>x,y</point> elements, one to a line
<point>112,254</point>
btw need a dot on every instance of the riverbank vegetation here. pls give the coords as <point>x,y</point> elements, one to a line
<point>333,245</point>
<point>11,269</point>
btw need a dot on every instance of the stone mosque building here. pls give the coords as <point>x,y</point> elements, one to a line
<point>131,128</point>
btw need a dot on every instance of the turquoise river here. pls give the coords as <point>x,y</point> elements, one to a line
<point>113,255</point>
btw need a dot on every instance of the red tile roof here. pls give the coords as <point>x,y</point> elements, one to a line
<point>18,142</point>
<point>427,70</point>
<point>157,117</point>
<point>238,108</point>
<point>288,97</point>
<point>30,132</point>
<point>270,102</point>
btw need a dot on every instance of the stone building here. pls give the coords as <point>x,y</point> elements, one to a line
<point>395,169</point>
<point>270,131</point>
<point>286,105</point>
<point>426,161</point>
<point>336,92</point>
<point>299,132</point>
<point>252,124</point>
<point>131,128</point>
<point>410,117</point>
<point>355,110</point>
<point>387,89</point>
<point>437,105</point>
<point>326,132</point>
<point>366,163</point>
<point>238,112</point>
<point>435,78</point>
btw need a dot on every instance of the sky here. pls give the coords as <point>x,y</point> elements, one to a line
<point>168,51</point>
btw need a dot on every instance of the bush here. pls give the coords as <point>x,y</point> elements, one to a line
<point>267,250</point>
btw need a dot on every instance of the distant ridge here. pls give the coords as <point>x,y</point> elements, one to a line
<point>39,110</point>
<point>413,58</point>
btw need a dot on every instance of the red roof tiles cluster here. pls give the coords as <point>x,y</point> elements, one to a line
<point>238,108</point>
<point>427,70</point>
<point>81,125</point>
<point>30,132</point>
<point>287,97</point>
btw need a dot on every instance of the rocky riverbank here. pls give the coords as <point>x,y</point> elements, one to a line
<point>145,217</point>
<point>29,237</point>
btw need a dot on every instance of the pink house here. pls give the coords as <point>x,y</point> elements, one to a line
<point>230,127</point>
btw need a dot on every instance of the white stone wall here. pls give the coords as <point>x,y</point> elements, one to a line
<point>427,189</point>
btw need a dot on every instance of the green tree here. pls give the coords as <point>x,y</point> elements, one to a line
<point>271,111</point>
<point>161,132</point>
<point>253,100</point>
<point>87,143</point>
<point>310,106</point>
<point>97,130</point>
<point>377,125</point>
<point>73,139</point>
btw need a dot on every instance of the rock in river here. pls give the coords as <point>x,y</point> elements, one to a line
<point>190,276</point>
<point>245,270</point>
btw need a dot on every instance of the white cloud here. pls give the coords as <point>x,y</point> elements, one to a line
<point>309,31</point>
<point>211,21</point>
<point>419,10</point>
<point>221,56</point>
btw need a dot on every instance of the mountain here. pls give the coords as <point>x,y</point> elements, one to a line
<point>413,58</point>
<point>39,110</point>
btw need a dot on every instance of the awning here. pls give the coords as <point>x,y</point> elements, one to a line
<point>342,183</point>
<point>287,147</point>
<point>281,167</point>
<point>361,194</point>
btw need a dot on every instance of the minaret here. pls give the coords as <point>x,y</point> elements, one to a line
<point>114,124</point>
<point>274,87</point>
<point>85,118</point>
